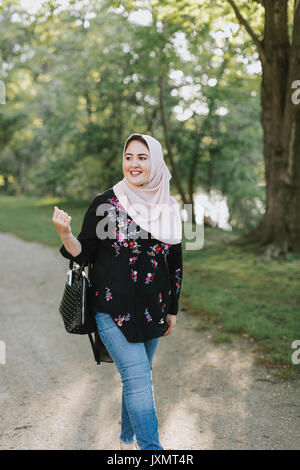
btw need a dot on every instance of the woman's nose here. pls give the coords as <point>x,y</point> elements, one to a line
<point>135,163</point>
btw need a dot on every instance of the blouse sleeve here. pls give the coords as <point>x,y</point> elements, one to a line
<point>87,236</point>
<point>175,269</point>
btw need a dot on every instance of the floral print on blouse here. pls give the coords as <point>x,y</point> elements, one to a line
<point>137,281</point>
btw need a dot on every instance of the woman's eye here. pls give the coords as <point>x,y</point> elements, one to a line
<point>142,158</point>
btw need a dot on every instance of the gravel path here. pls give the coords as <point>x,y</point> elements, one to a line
<point>53,395</point>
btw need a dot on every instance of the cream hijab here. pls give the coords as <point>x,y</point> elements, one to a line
<point>151,206</point>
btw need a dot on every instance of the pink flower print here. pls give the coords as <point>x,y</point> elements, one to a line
<point>154,263</point>
<point>149,278</point>
<point>97,292</point>
<point>108,295</point>
<point>177,276</point>
<point>148,316</point>
<point>133,275</point>
<point>132,260</point>
<point>152,252</point>
<point>120,318</point>
<point>166,250</point>
<point>136,250</point>
<point>163,305</point>
<point>120,207</point>
<point>111,215</point>
<point>120,236</point>
<point>112,200</point>
<point>134,247</point>
<point>117,248</point>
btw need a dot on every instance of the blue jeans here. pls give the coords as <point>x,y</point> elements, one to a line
<point>134,363</point>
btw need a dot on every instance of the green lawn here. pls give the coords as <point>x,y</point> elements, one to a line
<point>225,286</point>
<point>30,218</point>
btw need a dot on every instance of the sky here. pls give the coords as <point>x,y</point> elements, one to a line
<point>33,5</point>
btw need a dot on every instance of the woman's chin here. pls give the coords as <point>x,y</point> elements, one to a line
<point>136,182</point>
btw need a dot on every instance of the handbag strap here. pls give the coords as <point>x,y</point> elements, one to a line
<point>94,347</point>
<point>82,266</point>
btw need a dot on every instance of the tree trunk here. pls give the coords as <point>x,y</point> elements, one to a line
<point>292,136</point>
<point>164,121</point>
<point>279,229</point>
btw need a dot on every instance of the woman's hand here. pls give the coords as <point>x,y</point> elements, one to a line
<point>61,220</point>
<point>171,320</point>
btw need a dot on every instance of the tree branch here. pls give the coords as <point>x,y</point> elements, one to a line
<point>250,31</point>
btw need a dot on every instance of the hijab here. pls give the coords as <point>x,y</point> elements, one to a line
<point>151,206</point>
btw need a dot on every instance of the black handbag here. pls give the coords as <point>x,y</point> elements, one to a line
<point>75,310</point>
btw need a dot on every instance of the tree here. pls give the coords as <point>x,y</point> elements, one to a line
<point>279,53</point>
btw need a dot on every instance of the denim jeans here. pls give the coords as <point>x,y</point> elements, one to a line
<point>134,363</point>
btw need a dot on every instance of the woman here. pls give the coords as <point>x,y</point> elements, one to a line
<point>136,276</point>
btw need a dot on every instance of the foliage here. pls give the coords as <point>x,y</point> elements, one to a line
<point>81,79</point>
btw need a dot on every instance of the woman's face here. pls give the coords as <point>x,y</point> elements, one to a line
<point>137,163</point>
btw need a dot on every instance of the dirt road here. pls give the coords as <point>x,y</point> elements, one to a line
<point>53,395</point>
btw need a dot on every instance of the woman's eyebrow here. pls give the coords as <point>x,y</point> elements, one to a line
<point>128,153</point>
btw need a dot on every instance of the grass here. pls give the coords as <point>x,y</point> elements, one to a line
<point>234,292</point>
<point>225,286</point>
<point>30,218</point>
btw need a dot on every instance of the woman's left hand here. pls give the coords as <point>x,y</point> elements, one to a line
<point>171,320</point>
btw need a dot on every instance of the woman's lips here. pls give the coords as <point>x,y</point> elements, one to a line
<point>135,174</point>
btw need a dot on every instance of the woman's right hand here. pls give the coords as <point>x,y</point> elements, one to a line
<point>61,220</point>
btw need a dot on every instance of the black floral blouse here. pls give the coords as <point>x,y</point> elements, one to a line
<point>135,280</point>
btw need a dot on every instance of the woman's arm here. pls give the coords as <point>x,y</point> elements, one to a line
<point>84,248</point>
<point>71,244</point>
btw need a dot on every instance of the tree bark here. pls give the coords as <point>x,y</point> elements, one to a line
<point>279,229</point>
<point>164,121</point>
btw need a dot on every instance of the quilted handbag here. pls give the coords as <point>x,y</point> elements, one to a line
<point>76,313</point>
